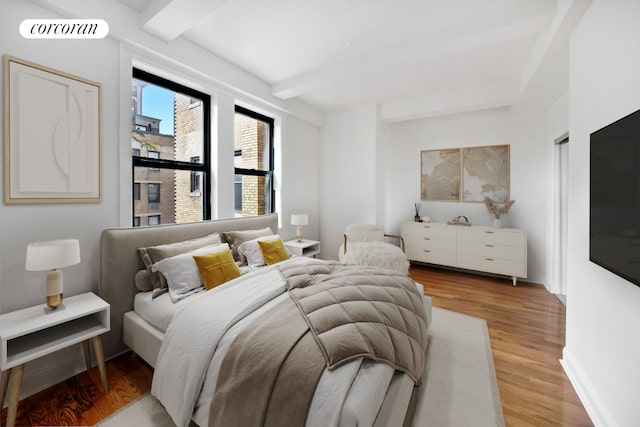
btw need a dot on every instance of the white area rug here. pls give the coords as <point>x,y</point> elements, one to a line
<point>145,411</point>
<point>459,386</point>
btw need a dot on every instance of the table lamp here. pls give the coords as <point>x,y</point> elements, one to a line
<point>51,256</point>
<point>299,220</point>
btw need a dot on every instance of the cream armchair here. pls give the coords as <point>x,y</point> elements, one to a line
<point>364,244</point>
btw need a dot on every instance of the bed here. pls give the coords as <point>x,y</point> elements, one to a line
<point>368,392</point>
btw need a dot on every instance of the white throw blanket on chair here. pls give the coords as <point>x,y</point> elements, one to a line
<point>380,254</point>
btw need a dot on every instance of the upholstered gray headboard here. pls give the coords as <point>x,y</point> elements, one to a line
<point>119,261</point>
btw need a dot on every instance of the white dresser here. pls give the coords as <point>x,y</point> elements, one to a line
<point>487,249</point>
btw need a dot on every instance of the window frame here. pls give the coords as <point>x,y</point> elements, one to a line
<point>151,154</point>
<point>268,174</point>
<point>205,167</point>
<point>195,181</point>
<point>156,192</point>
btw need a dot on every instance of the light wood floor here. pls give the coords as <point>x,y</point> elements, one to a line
<point>526,327</point>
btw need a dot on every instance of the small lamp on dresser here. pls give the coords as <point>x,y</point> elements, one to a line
<point>52,255</point>
<point>299,220</point>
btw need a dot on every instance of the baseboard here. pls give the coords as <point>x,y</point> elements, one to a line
<point>587,393</point>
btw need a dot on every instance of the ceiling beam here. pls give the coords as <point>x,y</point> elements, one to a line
<point>168,19</point>
<point>497,95</point>
<point>496,28</point>
<point>567,17</point>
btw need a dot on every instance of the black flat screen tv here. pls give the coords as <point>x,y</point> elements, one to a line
<point>614,216</point>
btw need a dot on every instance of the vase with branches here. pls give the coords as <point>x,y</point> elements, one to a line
<point>498,209</point>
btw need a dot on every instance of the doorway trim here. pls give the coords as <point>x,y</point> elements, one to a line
<point>560,216</point>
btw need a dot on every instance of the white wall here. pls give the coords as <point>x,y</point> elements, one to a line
<point>348,192</point>
<point>370,172</point>
<point>300,186</point>
<point>108,61</point>
<point>603,313</point>
<point>524,132</point>
<point>21,224</point>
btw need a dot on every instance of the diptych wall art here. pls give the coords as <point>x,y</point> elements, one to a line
<point>469,174</point>
<point>52,135</point>
<point>485,173</point>
<point>440,174</point>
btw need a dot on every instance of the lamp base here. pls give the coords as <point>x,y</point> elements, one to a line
<point>54,288</point>
<point>54,301</point>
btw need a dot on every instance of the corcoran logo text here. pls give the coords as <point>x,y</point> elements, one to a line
<point>64,28</point>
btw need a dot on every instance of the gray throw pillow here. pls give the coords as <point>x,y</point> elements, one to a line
<point>236,238</point>
<point>153,254</point>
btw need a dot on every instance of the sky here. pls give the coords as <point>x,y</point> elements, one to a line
<point>157,102</point>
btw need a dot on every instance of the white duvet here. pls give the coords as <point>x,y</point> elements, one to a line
<point>199,335</point>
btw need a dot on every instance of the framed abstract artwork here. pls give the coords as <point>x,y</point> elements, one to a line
<point>52,135</point>
<point>485,173</point>
<point>440,174</point>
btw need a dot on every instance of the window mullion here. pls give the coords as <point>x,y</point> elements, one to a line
<point>168,164</point>
<point>252,172</point>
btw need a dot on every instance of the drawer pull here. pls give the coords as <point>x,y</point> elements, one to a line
<point>488,231</point>
<point>426,250</point>
<point>489,246</point>
<point>489,259</point>
<point>426,226</point>
<point>427,238</point>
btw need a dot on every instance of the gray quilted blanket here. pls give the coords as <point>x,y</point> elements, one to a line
<point>336,313</point>
<point>360,311</point>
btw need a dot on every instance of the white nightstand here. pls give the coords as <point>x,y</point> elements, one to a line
<point>306,247</point>
<point>36,331</point>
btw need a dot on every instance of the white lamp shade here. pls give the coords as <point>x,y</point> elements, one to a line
<point>299,219</point>
<point>52,254</point>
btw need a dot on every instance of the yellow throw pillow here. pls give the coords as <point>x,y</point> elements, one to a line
<point>216,268</point>
<point>273,251</point>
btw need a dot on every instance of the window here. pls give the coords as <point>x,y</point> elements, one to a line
<point>253,183</point>
<point>154,193</point>
<point>153,196</point>
<point>153,155</point>
<point>170,141</point>
<point>195,177</point>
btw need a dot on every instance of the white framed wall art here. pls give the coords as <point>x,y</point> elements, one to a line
<point>52,135</point>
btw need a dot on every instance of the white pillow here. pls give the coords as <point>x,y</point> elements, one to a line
<point>251,250</point>
<point>181,272</point>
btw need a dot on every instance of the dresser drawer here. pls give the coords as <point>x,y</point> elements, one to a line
<point>425,229</point>
<point>492,250</point>
<point>431,256</point>
<point>492,265</point>
<point>432,243</point>
<point>492,236</point>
